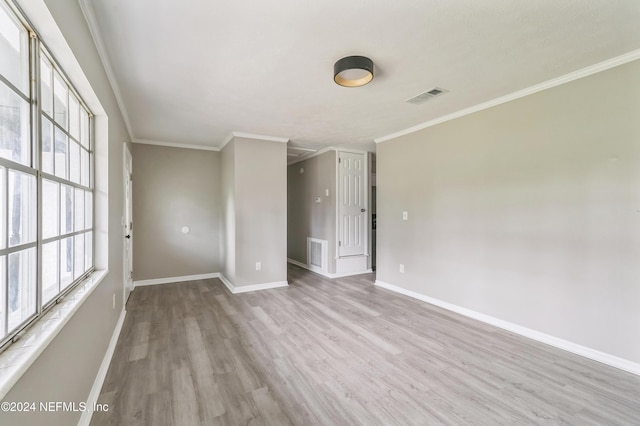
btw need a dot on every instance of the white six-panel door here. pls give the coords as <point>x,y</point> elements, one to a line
<point>352,219</point>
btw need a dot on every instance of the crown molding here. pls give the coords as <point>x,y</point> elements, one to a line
<point>226,140</point>
<point>259,137</point>
<point>94,29</point>
<point>235,134</point>
<point>575,75</point>
<point>220,147</point>
<point>176,145</point>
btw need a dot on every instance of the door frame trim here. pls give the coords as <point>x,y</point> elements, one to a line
<point>126,176</point>
<point>366,200</point>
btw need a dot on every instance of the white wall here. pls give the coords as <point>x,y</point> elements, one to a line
<point>528,212</point>
<point>65,371</point>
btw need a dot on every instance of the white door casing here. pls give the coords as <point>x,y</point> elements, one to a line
<point>128,223</point>
<point>352,203</point>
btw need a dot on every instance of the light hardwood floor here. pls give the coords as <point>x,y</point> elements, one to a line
<point>341,352</point>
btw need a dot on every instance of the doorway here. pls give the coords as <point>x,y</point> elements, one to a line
<point>128,223</point>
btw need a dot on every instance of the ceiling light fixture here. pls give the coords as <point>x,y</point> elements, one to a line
<point>353,71</point>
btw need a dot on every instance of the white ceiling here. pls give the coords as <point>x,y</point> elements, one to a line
<point>193,71</point>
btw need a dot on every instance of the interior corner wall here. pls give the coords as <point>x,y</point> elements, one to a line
<point>67,368</point>
<point>228,212</point>
<point>174,188</point>
<point>261,211</point>
<point>527,212</point>
<point>307,180</point>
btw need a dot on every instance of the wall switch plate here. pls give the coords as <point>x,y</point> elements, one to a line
<point>258,266</point>
<point>326,192</point>
<point>318,200</point>
<point>405,215</point>
<point>402,268</point>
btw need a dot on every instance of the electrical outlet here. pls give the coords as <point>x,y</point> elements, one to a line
<point>402,268</point>
<point>405,215</point>
<point>114,300</point>
<point>258,266</point>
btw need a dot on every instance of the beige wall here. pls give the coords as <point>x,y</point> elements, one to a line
<point>255,204</point>
<point>261,211</point>
<point>65,371</point>
<point>527,212</point>
<point>228,211</point>
<point>306,217</point>
<point>175,187</point>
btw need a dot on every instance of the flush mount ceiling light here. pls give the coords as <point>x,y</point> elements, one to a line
<point>353,71</point>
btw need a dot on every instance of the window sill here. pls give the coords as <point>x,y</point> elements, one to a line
<point>16,360</point>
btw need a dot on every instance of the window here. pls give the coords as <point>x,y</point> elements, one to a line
<point>46,188</point>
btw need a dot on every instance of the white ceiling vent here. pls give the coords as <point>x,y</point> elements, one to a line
<point>427,96</point>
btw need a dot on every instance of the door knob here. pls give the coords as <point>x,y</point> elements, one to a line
<point>363,210</point>
<point>127,236</point>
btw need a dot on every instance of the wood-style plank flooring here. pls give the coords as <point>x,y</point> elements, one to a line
<point>341,352</point>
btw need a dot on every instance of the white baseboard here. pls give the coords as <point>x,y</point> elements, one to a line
<point>227,283</point>
<point>170,280</point>
<point>349,274</point>
<point>584,351</point>
<point>326,274</point>
<point>85,418</point>
<point>252,287</point>
<point>310,268</point>
<point>297,263</point>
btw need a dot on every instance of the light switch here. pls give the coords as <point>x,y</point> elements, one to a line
<point>326,192</point>
<point>405,215</point>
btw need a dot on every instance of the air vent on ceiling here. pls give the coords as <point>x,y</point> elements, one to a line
<point>427,96</point>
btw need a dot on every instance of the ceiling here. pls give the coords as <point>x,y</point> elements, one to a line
<point>194,71</point>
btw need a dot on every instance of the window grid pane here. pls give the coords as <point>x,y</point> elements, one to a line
<point>88,251</point>
<point>84,167</point>
<point>78,217</point>
<point>88,210</point>
<point>14,50</point>
<point>78,259</point>
<point>46,87</point>
<point>74,116</point>
<point>50,282</point>
<point>21,208</point>
<point>66,209</point>
<point>84,128</point>
<point>22,291</point>
<point>66,262</point>
<point>50,200</point>
<point>66,212</point>
<point>15,131</point>
<point>47,145</point>
<point>74,161</point>
<point>60,96</point>
<point>61,153</point>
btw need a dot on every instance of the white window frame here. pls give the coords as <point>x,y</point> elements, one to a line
<point>36,48</point>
